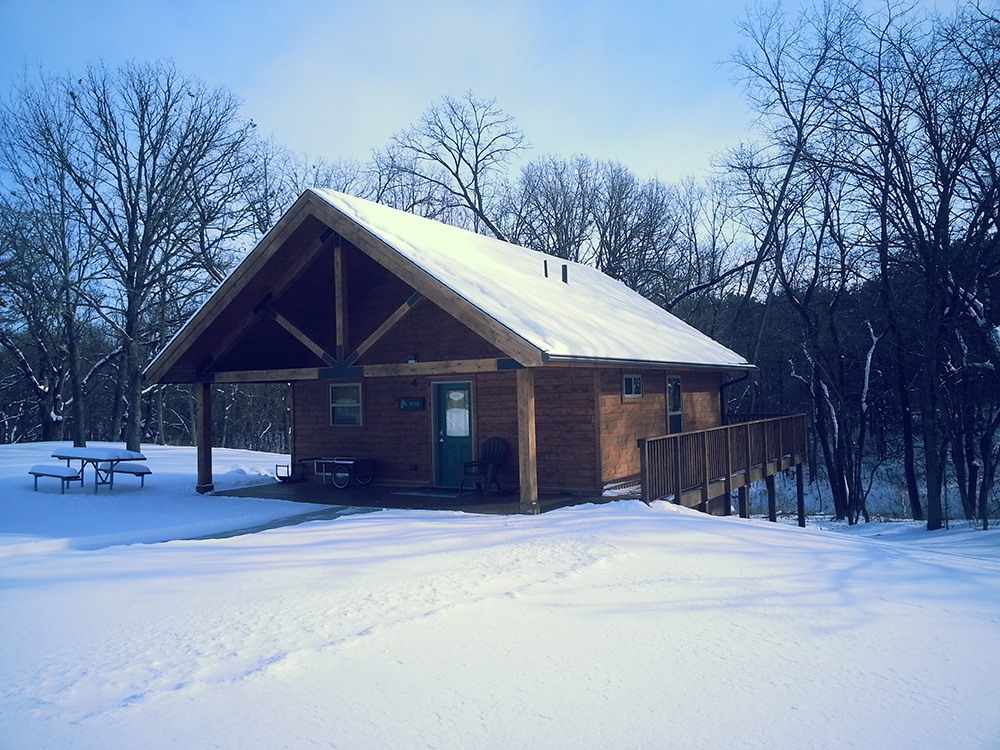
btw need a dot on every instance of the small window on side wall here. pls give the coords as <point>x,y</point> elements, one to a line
<point>631,386</point>
<point>345,405</point>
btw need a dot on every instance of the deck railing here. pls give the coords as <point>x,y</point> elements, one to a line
<point>694,468</point>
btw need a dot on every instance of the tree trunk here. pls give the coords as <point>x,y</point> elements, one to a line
<point>75,384</point>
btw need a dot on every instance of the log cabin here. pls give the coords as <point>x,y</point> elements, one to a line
<point>410,342</point>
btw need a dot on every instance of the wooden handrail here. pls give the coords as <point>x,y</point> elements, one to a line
<point>690,468</point>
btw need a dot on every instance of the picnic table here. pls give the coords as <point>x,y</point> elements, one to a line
<point>104,461</point>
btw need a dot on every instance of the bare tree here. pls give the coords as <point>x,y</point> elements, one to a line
<point>636,225</point>
<point>900,109</point>
<point>551,207</point>
<point>165,179</point>
<point>787,70</point>
<point>811,228</point>
<point>710,260</point>
<point>395,178</point>
<point>46,272</point>
<point>928,121</point>
<point>30,325</point>
<point>463,147</point>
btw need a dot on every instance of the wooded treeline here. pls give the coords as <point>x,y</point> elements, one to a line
<point>852,250</point>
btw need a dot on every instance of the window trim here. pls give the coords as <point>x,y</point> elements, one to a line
<point>360,405</point>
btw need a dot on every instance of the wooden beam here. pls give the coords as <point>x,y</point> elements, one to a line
<point>340,298</point>
<point>645,481</point>
<point>405,369</point>
<point>679,476</point>
<point>527,451</point>
<point>598,431</point>
<point>203,436</point>
<point>288,275</point>
<point>450,367</point>
<point>301,336</point>
<point>729,472</point>
<point>233,285</point>
<point>706,478</point>
<point>294,269</point>
<point>267,376</point>
<point>386,326</point>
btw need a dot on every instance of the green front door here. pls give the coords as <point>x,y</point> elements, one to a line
<point>452,431</point>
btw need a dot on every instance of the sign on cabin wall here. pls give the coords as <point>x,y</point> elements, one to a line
<point>411,403</point>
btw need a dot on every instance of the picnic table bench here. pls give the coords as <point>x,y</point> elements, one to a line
<point>65,475</point>
<point>136,470</point>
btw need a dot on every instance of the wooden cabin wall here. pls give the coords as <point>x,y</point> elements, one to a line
<point>700,404</point>
<point>397,440</point>
<point>401,442</point>
<point>623,421</point>
<point>494,398</point>
<point>428,332</point>
<point>566,429</point>
<point>586,431</point>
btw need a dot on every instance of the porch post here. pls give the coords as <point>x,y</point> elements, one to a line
<point>203,436</point>
<point>800,494</point>
<point>526,450</point>
<point>772,505</point>
<point>744,499</point>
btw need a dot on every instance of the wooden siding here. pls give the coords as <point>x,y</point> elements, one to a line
<point>586,432</point>
<point>402,441</point>
<point>624,421</point>
<point>221,322</point>
<point>565,429</point>
<point>494,400</point>
<point>432,335</point>
<point>399,440</point>
<point>701,407</point>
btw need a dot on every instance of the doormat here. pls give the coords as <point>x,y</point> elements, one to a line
<point>429,492</point>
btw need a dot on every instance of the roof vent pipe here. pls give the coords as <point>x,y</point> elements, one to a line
<point>545,268</point>
<point>565,274</point>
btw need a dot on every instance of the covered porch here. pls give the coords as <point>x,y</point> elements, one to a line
<point>376,496</point>
<point>698,469</point>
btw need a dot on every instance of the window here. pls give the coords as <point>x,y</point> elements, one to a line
<point>345,404</point>
<point>631,386</point>
<point>674,421</point>
<point>457,413</point>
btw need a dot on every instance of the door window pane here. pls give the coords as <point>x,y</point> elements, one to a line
<point>457,422</point>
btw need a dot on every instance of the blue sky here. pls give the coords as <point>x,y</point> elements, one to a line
<point>632,81</point>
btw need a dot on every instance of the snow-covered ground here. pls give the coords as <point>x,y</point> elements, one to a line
<point>616,625</point>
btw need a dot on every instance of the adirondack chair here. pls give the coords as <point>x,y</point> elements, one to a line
<point>483,473</point>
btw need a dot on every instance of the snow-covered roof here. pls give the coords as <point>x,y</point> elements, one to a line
<point>589,317</point>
